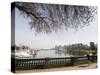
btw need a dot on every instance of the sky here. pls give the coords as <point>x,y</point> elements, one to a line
<point>25,36</point>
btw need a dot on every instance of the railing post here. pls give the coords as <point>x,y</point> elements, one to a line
<point>72,61</point>
<point>46,64</point>
<point>93,59</point>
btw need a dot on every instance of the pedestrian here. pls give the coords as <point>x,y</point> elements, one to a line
<point>88,58</point>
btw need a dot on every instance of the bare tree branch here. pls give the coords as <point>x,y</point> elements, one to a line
<point>52,17</point>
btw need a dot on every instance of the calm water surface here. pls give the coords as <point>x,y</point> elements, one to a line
<point>50,53</point>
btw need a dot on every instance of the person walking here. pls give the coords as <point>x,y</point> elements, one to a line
<point>88,59</point>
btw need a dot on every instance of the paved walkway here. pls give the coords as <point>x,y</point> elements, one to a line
<point>80,67</point>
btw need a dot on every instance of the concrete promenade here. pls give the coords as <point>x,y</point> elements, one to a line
<point>79,67</point>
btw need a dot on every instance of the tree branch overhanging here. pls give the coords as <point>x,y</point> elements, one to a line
<point>51,17</point>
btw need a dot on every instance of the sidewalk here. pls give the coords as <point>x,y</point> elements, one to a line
<point>80,67</point>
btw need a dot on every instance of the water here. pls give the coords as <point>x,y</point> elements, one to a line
<point>50,53</point>
<point>41,54</point>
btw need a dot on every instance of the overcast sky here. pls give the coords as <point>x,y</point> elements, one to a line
<point>25,36</point>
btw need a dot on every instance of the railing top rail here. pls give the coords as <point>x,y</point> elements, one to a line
<point>52,58</point>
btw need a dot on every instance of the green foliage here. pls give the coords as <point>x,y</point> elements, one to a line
<point>93,46</point>
<point>77,49</point>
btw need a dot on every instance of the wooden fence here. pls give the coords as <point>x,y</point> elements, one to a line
<point>26,64</point>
